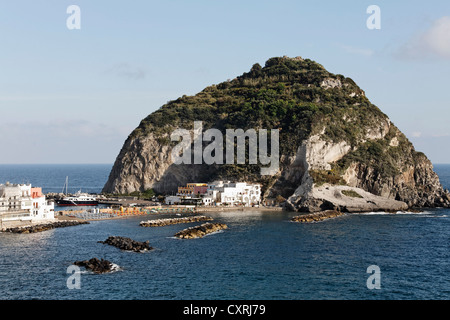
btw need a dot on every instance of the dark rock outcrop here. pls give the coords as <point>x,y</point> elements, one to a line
<point>127,244</point>
<point>96,265</point>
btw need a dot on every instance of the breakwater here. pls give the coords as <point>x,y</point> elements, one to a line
<point>170,221</point>
<point>45,227</point>
<point>200,231</point>
<point>127,244</point>
<point>316,217</point>
<point>136,211</point>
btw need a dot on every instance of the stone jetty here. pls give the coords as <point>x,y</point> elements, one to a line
<point>200,231</point>
<point>170,221</point>
<point>44,227</point>
<point>127,244</point>
<point>318,216</point>
<point>97,265</point>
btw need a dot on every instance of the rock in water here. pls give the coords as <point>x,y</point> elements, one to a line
<point>200,231</point>
<point>318,216</point>
<point>96,265</point>
<point>170,221</point>
<point>330,135</point>
<point>127,244</point>
<point>45,226</point>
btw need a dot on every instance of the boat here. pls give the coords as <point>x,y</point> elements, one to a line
<point>79,199</point>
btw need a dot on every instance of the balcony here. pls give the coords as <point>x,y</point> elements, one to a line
<point>14,215</point>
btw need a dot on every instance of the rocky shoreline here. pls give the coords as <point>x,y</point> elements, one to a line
<point>127,244</point>
<point>318,216</point>
<point>200,231</point>
<point>170,221</point>
<point>44,227</point>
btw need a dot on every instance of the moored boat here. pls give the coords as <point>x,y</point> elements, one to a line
<point>79,199</point>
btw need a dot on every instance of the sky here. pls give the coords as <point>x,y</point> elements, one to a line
<point>74,95</point>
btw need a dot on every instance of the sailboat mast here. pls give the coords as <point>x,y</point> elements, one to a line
<point>66,185</point>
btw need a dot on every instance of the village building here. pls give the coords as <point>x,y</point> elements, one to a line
<point>22,202</point>
<point>218,193</point>
<point>192,189</point>
<point>238,193</point>
<point>172,200</point>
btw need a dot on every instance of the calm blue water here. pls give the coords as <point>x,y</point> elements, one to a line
<point>261,256</point>
<point>88,178</point>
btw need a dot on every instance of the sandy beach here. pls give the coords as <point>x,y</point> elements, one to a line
<point>68,216</point>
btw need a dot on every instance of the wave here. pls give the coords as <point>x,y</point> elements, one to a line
<point>115,268</point>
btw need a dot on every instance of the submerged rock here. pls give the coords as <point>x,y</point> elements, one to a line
<point>200,231</point>
<point>127,244</point>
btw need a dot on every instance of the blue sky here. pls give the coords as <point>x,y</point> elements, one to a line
<point>73,96</point>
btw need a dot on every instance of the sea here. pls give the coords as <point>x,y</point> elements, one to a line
<point>261,256</point>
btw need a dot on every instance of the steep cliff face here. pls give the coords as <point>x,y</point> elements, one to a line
<point>394,172</point>
<point>330,136</point>
<point>146,163</point>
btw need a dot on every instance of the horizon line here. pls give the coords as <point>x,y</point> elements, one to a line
<point>51,164</point>
<point>104,163</point>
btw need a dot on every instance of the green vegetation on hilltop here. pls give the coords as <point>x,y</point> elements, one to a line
<point>286,93</point>
<point>329,133</point>
<point>298,97</point>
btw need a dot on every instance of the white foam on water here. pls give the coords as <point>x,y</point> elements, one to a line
<point>115,268</point>
<point>212,233</point>
<point>373,213</point>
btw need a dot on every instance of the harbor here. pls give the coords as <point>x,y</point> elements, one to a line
<point>259,241</point>
<point>122,212</point>
<point>28,204</point>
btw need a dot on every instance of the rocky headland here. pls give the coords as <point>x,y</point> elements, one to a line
<point>332,139</point>
<point>347,199</point>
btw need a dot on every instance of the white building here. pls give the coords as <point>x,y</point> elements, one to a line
<point>235,193</point>
<point>41,208</point>
<point>172,200</point>
<point>22,202</point>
